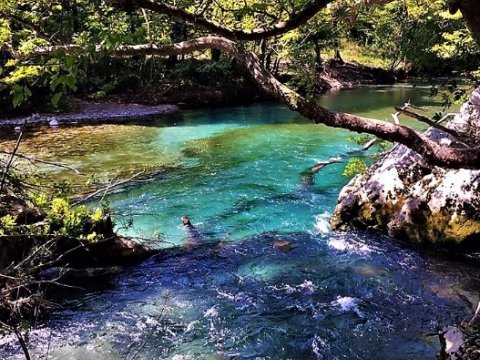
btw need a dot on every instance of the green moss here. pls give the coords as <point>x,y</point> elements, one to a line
<point>354,167</point>
<point>460,228</point>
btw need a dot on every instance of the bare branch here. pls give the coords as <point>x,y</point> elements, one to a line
<point>7,167</point>
<point>23,344</point>
<point>36,160</point>
<point>105,190</point>
<point>426,120</point>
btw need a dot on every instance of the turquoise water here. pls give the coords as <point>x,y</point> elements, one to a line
<point>237,172</point>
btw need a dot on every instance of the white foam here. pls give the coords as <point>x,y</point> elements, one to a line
<point>344,245</point>
<point>211,313</point>
<point>322,223</point>
<point>306,286</point>
<point>347,303</point>
<point>317,344</point>
<point>191,326</point>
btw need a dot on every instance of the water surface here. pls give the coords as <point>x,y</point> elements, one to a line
<point>237,172</point>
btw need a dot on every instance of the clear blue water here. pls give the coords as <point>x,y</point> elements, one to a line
<point>237,173</point>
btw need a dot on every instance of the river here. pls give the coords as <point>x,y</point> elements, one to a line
<point>237,172</point>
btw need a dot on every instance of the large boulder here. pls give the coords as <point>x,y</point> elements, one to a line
<point>404,196</point>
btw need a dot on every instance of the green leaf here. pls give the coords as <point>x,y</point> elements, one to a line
<point>18,96</point>
<point>56,99</point>
<point>55,81</point>
<point>26,92</point>
<point>69,61</point>
<point>70,81</point>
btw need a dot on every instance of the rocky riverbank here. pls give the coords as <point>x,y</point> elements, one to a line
<point>96,113</point>
<point>145,103</point>
<point>406,198</point>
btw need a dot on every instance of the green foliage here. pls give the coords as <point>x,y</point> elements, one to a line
<point>62,219</point>
<point>19,94</point>
<point>97,215</point>
<point>5,31</point>
<point>63,188</point>
<point>39,199</point>
<point>383,145</point>
<point>414,34</point>
<point>451,93</point>
<point>354,167</point>
<point>65,219</point>
<point>22,73</point>
<point>7,224</point>
<point>360,139</point>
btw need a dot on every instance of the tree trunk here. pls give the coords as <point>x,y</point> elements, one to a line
<point>470,10</point>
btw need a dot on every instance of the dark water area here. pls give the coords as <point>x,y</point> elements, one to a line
<point>237,173</point>
<point>332,296</point>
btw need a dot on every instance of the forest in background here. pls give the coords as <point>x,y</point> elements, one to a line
<point>414,38</point>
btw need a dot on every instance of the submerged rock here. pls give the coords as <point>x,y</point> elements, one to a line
<point>282,245</point>
<point>115,251</point>
<point>405,197</point>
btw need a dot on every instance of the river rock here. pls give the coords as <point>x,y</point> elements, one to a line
<point>405,197</point>
<point>115,251</point>
<point>452,339</point>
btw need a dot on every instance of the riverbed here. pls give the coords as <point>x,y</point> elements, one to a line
<point>238,173</point>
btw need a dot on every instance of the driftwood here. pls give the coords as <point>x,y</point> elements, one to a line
<point>102,192</point>
<point>475,322</point>
<point>34,160</point>
<point>307,175</point>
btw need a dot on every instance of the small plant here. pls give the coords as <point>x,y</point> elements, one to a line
<point>354,167</point>
<point>65,219</point>
<point>97,215</point>
<point>7,224</point>
<point>360,139</point>
<point>39,200</point>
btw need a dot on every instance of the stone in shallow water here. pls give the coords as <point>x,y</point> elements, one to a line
<point>282,245</point>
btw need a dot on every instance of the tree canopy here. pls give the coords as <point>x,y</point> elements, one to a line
<point>53,45</point>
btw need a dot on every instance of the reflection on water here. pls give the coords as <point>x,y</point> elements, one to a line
<point>237,173</point>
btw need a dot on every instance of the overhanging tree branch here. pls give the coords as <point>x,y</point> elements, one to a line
<point>433,152</point>
<point>427,121</point>
<point>26,24</point>
<point>294,21</point>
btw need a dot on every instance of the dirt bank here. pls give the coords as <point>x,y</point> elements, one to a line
<point>336,75</point>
